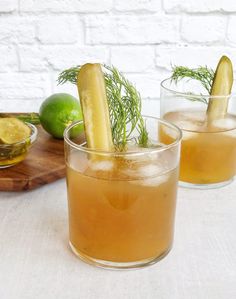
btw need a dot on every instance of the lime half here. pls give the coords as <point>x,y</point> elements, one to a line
<point>13,130</point>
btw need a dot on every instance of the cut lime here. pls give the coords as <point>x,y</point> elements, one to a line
<point>13,130</point>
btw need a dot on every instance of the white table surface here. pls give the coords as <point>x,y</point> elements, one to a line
<point>36,262</point>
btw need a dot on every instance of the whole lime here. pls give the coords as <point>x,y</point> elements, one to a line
<point>58,111</point>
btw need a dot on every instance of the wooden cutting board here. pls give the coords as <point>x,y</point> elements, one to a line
<point>43,164</point>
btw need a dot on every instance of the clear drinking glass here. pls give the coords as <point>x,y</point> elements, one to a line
<point>208,151</point>
<point>122,204</point>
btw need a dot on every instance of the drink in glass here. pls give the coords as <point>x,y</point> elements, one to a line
<point>208,152</point>
<point>122,204</point>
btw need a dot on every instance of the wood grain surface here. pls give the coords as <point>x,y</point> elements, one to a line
<point>43,164</point>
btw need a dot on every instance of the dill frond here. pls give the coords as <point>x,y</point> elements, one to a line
<point>124,103</point>
<point>203,74</point>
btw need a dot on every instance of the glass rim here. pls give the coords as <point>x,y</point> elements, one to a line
<point>133,153</point>
<point>183,94</point>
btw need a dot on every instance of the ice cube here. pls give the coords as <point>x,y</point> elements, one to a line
<point>150,174</point>
<point>224,124</point>
<point>105,165</point>
<point>194,126</point>
<point>143,171</point>
<point>193,116</point>
<point>189,135</point>
<point>155,181</point>
<point>182,125</point>
<point>150,170</point>
<point>169,132</point>
<point>152,181</point>
<point>148,156</point>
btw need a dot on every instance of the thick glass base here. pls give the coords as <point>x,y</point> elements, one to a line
<point>116,265</point>
<point>205,186</point>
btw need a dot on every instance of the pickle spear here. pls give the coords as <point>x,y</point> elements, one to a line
<point>221,87</point>
<point>92,93</point>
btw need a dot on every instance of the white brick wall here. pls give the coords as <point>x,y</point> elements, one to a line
<point>39,38</point>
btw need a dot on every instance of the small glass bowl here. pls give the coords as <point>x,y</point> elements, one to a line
<point>11,154</point>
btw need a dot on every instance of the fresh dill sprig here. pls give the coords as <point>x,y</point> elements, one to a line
<point>124,103</point>
<point>32,118</point>
<point>203,74</point>
<point>69,75</point>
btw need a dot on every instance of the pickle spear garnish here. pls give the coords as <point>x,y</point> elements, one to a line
<point>221,88</point>
<point>93,99</point>
<point>124,103</point>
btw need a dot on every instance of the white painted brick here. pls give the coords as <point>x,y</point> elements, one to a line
<point>148,84</point>
<point>132,30</point>
<point>18,86</point>
<point>32,58</point>
<point>8,5</point>
<point>59,30</point>
<point>205,6</point>
<point>231,33</point>
<point>133,59</point>
<point>137,36</point>
<point>17,30</point>
<point>61,57</point>
<point>192,56</point>
<point>138,5</point>
<point>63,6</point>
<point>226,5</point>
<point>40,58</point>
<point>203,29</point>
<point>12,105</point>
<point>9,61</point>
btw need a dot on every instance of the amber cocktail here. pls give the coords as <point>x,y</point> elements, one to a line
<point>122,204</point>
<point>208,152</point>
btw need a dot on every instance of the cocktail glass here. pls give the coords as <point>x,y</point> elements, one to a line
<point>122,204</point>
<point>208,151</point>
